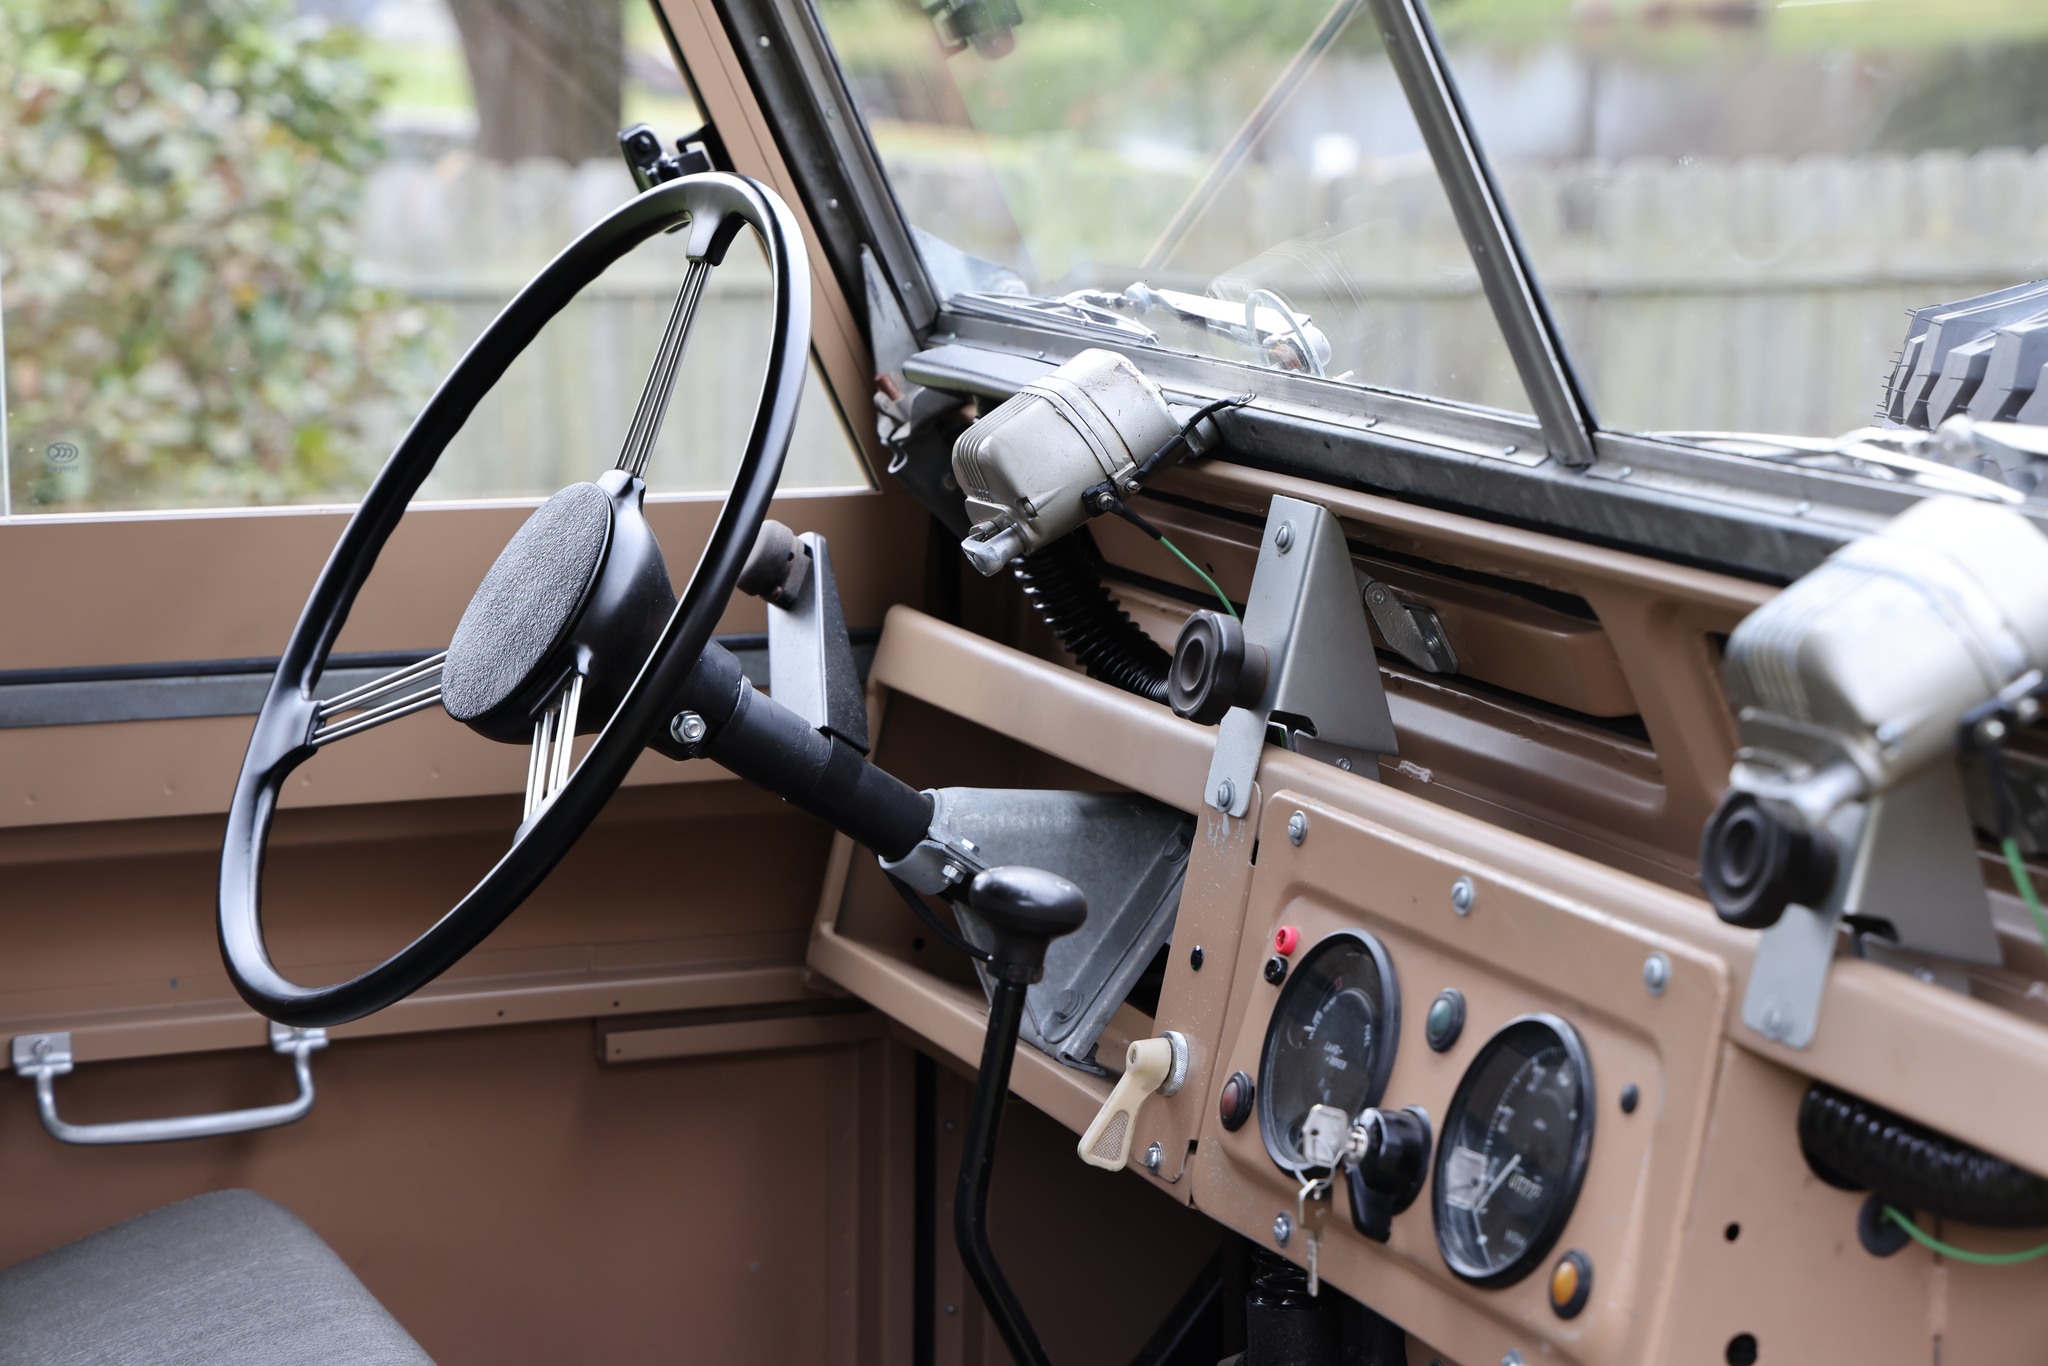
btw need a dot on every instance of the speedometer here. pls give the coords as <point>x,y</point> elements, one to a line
<point>1331,1040</point>
<point>1515,1145</point>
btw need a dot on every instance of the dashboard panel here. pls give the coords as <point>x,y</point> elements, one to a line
<point>1696,1211</point>
<point>1513,952</point>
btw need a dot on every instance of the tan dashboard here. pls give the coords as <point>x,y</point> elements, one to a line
<point>1698,1231</point>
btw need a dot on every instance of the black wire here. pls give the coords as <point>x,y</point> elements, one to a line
<point>932,922</point>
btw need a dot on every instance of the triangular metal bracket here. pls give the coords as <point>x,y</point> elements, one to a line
<point>1323,683</point>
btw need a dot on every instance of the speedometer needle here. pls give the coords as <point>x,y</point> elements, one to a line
<point>1479,1207</point>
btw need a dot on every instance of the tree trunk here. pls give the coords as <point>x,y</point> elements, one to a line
<point>547,76</point>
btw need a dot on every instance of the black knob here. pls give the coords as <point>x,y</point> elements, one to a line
<point>1388,1176</point>
<point>1025,909</point>
<point>1214,668</point>
<point>1755,861</point>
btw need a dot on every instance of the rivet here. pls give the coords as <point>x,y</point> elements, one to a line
<point>1226,793</point>
<point>1283,1229</point>
<point>1656,973</point>
<point>1509,449</point>
<point>1283,539</point>
<point>762,40</point>
<point>1777,1020</point>
<point>687,728</point>
<point>1462,894</point>
<point>1297,827</point>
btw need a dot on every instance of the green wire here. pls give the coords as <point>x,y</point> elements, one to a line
<point>2025,884</point>
<point>1934,1244</point>
<point>1224,598</point>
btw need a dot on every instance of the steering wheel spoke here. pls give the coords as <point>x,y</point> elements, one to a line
<point>661,376</point>
<point>550,761</point>
<point>398,693</point>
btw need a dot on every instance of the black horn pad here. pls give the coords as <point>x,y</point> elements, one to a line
<point>527,603</point>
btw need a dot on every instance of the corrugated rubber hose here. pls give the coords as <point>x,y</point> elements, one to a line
<point>1063,583</point>
<point>1856,1145</point>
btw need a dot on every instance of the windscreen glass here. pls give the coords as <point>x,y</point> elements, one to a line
<point>1240,178</point>
<point>1735,205</point>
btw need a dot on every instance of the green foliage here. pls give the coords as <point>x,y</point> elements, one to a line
<point>179,188</point>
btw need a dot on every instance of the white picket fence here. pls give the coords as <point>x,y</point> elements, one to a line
<point>1757,294</point>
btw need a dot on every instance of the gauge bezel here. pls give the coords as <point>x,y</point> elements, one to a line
<point>1390,1028</point>
<point>1552,1229</point>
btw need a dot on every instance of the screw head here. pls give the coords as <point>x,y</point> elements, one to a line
<point>1195,957</point>
<point>1297,827</point>
<point>1656,973</point>
<point>1631,1096</point>
<point>1462,896</point>
<point>1226,793</point>
<point>1154,1155</point>
<point>1777,1020</point>
<point>1283,539</point>
<point>1276,969</point>
<point>687,728</point>
<point>1283,1229</point>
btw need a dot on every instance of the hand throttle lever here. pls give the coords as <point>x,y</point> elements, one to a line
<point>1025,909</point>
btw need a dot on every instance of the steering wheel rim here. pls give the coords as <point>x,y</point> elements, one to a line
<point>711,208</point>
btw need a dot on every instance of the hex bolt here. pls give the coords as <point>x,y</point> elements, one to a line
<point>1283,539</point>
<point>951,872</point>
<point>1297,827</point>
<point>1226,793</point>
<point>1462,894</point>
<point>1656,973</point>
<point>1283,1229</point>
<point>687,728</point>
<point>1154,1155</point>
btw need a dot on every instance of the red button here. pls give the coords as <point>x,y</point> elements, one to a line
<point>1285,939</point>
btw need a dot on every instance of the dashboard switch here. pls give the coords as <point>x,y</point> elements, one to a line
<point>1286,940</point>
<point>1235,1104</point>
<point>1149,1065</point>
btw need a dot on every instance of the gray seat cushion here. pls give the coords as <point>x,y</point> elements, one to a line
<point>228,1279</point>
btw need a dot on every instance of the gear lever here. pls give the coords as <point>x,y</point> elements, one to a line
<point>1025,909</point>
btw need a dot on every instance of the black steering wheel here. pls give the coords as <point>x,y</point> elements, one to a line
<point>575,626</point>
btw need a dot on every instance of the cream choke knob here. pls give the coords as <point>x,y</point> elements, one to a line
<point>1150,1065</point>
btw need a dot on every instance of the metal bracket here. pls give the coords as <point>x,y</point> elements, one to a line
<point>1411,630</point>
<point>810,655</point>
<point>1127,853</point>
<point>1910,862</point>
<point>42,1058</point>
<point>1323,680</point>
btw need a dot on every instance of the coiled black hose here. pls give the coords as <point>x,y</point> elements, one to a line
<point>1063,583</point>
<point>1859,1146</point>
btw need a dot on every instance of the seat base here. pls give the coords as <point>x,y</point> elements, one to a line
<point>227,1279</point>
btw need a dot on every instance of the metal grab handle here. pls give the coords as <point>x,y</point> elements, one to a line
<point>45,1057</point>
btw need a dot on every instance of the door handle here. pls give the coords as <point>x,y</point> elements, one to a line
<point>46,1057</point>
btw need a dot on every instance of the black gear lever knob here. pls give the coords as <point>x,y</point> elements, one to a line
<point>1025,909</point>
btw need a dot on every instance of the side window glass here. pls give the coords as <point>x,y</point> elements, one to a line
<point>240,242</point>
